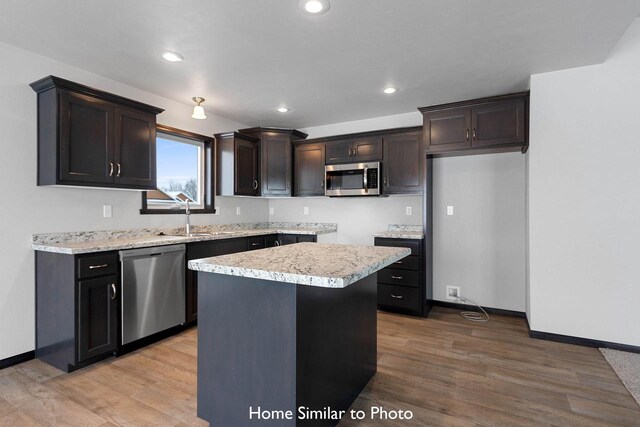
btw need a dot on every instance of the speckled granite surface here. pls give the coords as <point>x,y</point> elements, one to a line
<point>101,241</point>
<point>398,231</point>
<point>313,264</point>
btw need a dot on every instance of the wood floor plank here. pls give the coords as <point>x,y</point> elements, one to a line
<point>444,369</point>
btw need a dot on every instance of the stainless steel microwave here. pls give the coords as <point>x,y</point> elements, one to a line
<point>353,179</point>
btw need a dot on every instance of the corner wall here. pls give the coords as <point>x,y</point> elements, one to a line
<point>28,209</point>
<point>584,203</point>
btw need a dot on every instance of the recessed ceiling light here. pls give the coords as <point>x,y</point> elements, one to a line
<point>390,90</point>
<point>172,56</point>
<point>314,7</point>
<point>284,109</point>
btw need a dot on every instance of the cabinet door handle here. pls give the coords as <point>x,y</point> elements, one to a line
<point>467,135</point>
<point>396,296</point>
<point>475,134</point>
<point>119,170</point>
<point>94,267</point>
<point>110,168</point>
<point>277,243</point>
<point>114,291</point>
<point>322,184</point>
<point>386,182</point>
<point>288,184</point>
<point>255,184</point>
<point>397,277</point>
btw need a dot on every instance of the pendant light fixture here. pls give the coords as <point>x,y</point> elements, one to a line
<point>198,110</point>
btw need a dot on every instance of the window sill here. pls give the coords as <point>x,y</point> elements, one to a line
<point>175,211</point>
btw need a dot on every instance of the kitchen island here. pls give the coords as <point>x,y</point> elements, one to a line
<point>287,331</point>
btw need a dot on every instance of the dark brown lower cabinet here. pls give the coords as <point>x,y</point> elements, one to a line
<point>401,286</point>
<point>204,250</point>
<point>77,308</point>
<point>289,239</point>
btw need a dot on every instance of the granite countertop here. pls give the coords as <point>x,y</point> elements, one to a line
<point>315,264</point>
<point>397,231</point>
<point>103,241</point>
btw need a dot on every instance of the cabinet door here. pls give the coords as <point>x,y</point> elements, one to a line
<point>135,149</point>
<point>275,151</point>
<point>309,169</point>
<point>98,316</point>
<point>367,149</point>
<point>246,168</point>
<point>86,139</point>
<point>401,163</point>
<point>497,123</point>
<point>287,239</point>
<point>338,152</point>
<point>447,130</point>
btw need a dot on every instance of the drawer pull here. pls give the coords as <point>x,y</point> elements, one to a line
<point>398,262</point>
<point>93,267</point>
<point>397,277</point>
<point>255,244</point>
<point>396,296</point>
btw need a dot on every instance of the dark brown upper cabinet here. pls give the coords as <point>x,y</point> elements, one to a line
<point>493,124</point>
<point>276,157</point>
<point>308,166</point>
<point>237,168</point>
<point>93,138</point>
<point>354,150</point>
<point>402,164</point>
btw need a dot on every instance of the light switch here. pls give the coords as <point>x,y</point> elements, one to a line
<point>107,211</point>
<point>449,210</point>
<point>238,210</point>
<point>306,210</point>
<point>272,211</point>
<point>409,210</point>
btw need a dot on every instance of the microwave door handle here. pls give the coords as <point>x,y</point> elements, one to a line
<point>364,179</point>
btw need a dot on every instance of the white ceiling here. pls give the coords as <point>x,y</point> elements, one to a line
<point>247,57</point>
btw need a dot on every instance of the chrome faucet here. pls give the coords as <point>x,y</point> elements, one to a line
<point>187,211</point>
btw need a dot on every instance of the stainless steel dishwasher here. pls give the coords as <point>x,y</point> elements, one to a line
<point>153,290</point>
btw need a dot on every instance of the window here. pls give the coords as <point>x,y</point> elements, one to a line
<point>183,171</point>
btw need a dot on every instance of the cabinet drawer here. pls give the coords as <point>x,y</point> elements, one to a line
<point>97,265</point>
<point>414,245</point>
<point>399,297</point>
<point>393,276</point>
<point>407,263</point>
<point>255,243</point>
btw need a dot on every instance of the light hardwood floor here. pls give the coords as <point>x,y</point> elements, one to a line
<point>446,370</point>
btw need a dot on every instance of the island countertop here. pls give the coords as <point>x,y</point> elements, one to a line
<point>313,264</point>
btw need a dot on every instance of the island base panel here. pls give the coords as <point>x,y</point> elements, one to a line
<point>280,346</point>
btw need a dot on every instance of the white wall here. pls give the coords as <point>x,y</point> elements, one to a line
<point>28,209</point>
<point>386,122</point>
<point>481,248</point>
<point>584,200</point>
<point>357,217</point>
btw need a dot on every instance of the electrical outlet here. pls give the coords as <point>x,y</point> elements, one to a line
<point>306,210</point>
<point>409,210</point>
<point>238,210</point>
<point>453,292</point>
<point>107,211</point>
<point>450,210</point>
<point>272,211</point>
